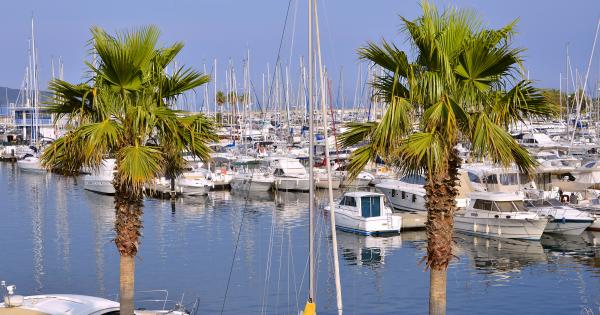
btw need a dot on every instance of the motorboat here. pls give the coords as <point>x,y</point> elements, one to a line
<point>253,181</point>
<point>365,213</point>
<point>197,183</point>
<point>31,164</point>
<point>290,174</point>
<point>69,304</point>
<point>403,195</point>
<point>502,215</point>
<point>101,180</point>
<point>562,218</point>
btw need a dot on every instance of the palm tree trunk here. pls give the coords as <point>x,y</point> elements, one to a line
<point>128,225</point>
<point>126,284</point>
<point>441,195</point>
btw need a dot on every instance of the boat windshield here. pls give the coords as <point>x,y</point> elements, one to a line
<point>370,206</point>
<point>509,206</point>
<point>543,203</point>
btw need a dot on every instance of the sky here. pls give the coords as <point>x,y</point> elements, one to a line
<point>228,29</point>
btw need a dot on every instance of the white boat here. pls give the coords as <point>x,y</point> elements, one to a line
<point>501,215</point>
<point>365,213</point>
<point>101,180</point>
<point>252,181</point>
<point>403,196</point>
<point>31,164</point>
<point>194,183</point>
<point>68,304</point>
<point>562,218</point>
<point>322,182</point>
<point>290,174</point>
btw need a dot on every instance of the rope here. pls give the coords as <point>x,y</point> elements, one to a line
<point>237,242</point>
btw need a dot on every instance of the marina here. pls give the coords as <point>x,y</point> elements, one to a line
<point>452,180</point>
<point>60,242</point>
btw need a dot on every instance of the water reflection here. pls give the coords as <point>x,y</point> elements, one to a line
<point>103,214</point>
<point>503,259</point>
<point>371,250</point>
<point>63,239</point>
<point>35,188</point>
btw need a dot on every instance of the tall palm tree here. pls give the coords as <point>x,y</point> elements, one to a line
<point>463,84</point>
<point>124,111</point>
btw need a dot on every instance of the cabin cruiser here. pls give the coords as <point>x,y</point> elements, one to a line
<point>68,304</point>
<point>31,164</point>
<point>501,215</point>
<point>404,195</point>
<point>101,179</point>
<point>365,213</point>
<point>562,218</point>
<point>290,174</point>
<point>16,152</point>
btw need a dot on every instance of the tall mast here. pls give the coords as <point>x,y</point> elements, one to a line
<point>311,136</point>
<point>336,264</point>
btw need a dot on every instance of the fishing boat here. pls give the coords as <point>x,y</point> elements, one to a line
<point>501,215</point>
<point>365,213</point>
<point>562,218</point>
<point>101,180</point>
<point>195,183</point>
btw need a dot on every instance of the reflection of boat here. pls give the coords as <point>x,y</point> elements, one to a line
<point>585,245</point>
<point>365,213</point>
<point>500,255</point>
<point>371,250</point>
<point>500,215</point>
<point>255,195</point>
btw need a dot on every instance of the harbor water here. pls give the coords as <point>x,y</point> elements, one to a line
<point>56,237</point>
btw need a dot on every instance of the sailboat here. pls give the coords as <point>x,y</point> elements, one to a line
<point>32,163</point>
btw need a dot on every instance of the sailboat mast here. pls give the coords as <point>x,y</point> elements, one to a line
<point>322,75</point>
<point>311,137</point>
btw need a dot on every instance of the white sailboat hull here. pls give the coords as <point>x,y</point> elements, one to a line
<point>31,164</point>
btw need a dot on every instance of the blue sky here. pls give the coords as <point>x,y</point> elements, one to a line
<point>224,29</point>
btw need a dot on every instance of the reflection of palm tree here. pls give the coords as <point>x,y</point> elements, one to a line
<point>127,114</point>
<point>455,89</point>
<point>104,222</point>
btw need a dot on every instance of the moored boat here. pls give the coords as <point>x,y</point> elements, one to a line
<point>365,213</point>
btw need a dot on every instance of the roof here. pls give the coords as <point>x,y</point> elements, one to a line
<point>362,194</point>
<point>495,196</point>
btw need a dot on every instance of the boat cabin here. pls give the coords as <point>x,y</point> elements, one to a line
<point>367,204</point>
<point>497,202</point>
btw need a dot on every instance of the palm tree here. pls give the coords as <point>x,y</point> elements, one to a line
<point>123,111</point>
<point>463,84</point>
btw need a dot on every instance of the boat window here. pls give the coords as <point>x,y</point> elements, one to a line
<point>393,193</point>
<point>403,195</point>
<point>414,198</point>
<point>350,201</point>
<point>474,178</point>
<point>483,205</point>
<point>554,202</point>
<point>509,179</point>
<point>370,206</point>
<point>491,179</point>
<point>343,201</point>
<point>509,206</point>
<point>278,172</point>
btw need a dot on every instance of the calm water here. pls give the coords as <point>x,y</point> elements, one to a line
<point>56,238</point>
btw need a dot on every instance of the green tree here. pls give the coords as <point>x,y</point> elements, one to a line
<point>123,111</point>
<point>462,85</point>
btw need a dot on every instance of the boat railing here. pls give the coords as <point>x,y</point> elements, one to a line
<point>159,299</point>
